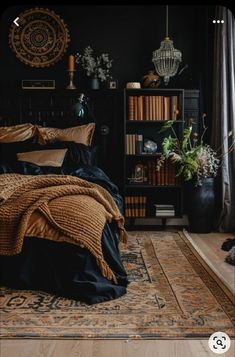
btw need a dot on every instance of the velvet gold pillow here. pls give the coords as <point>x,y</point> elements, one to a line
<point>82,134</point>
<point>16,133</point>
<point>53,158</point>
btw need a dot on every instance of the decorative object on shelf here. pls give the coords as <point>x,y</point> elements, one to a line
<point>166,59</point>
<point>41,39</point>
<point>133,85</point>
<point>138,176</point>
<point>94,83</point>
<point>150,147</point>
<point>112,84</point>
<point>71,70</point>
<point>38,84</point>
<point>80,107</point>
<point>95,67</point>
<point>151,80</point>
<point>71,76</point>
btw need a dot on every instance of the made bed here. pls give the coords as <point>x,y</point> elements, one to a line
<point>60,215</point>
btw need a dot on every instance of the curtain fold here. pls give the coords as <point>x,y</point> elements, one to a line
<point>223,101</point>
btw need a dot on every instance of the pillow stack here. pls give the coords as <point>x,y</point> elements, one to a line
<point>40,145</point>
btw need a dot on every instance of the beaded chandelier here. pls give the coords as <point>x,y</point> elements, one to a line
<point>166,59</point>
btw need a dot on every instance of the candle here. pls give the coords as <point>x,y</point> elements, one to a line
<point>71,63</point>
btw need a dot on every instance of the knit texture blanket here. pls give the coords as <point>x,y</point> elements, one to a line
<point>77,208</point>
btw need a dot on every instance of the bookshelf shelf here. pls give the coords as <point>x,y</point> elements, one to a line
<point>132,122</point>
<point>158,154</point>
<point>154,186</point>
<point>154,217</point>
<point>145,112</point>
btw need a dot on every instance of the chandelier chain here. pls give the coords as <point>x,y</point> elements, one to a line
<point>166,20</point>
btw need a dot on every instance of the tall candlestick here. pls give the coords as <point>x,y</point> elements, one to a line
<point>71,75</point>
<point>71,63</point>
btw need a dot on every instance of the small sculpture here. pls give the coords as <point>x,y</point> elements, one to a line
<point>151,80</point>
<point>138,174</point>
<point>150,147</point>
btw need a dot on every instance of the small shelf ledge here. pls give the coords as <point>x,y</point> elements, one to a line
<point>152,121</point>
<point>153,186</point>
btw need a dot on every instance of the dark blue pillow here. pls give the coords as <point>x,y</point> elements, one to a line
<point>8,151</point>
<point>77,154</point>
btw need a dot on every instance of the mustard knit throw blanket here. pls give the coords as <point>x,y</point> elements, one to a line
<point>77,208</point>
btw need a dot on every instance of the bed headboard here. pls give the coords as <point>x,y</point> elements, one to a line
<point>54,108</point>
<point>42,107</point>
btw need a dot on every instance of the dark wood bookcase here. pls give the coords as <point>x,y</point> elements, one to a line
<point>145,112</point>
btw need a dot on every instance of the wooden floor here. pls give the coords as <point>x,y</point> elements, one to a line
<point>210,247</point>
<point>181,348</point>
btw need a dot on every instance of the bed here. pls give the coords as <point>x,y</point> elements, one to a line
<point>31,155</point>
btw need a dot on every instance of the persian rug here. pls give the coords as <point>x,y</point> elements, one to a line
<point>171,295</point>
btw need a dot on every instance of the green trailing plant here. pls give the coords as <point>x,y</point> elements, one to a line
<point>194,159</point>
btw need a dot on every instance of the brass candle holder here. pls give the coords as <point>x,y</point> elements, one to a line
<point>71,76</point>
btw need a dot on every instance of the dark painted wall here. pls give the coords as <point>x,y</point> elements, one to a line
<point>129,33</point>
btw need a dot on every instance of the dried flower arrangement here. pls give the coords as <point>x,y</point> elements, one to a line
<point>95,67</point>
<point>195,159</point>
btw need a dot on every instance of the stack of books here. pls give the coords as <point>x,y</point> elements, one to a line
<point>134,144</point>
<point>164,210</point>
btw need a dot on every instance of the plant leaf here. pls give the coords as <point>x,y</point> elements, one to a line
<point>168,145</point>
<point>168,124</point>
<point>186,137</point>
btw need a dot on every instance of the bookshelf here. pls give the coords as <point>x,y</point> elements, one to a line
<point>149,193</point>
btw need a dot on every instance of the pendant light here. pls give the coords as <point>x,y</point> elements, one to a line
<point>166,59</point>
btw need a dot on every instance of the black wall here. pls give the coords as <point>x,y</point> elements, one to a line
<point>129,33</point>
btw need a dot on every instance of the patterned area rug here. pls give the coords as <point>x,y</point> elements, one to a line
<point>171,295</point>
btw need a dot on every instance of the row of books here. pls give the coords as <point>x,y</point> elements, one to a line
<point>162,210</point>
<point>165,176</point>
<point>134,144</point>
<point>152,108</point>
<point>135,206</point>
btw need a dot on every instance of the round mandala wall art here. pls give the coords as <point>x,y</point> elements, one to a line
<point>41,38</point>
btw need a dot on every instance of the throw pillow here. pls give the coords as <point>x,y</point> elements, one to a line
<point>82,134</point>
<point>53,158</point>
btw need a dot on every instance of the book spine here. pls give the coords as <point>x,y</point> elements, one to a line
<point>135,107</point>
<point>130,108</point>
<point>139,143</point>
<point>144,205</point>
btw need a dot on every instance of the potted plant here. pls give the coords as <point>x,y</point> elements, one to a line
<point>198,164</point>
<point>98,68</point>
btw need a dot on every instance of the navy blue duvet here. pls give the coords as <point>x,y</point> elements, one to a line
<point>61,268</point>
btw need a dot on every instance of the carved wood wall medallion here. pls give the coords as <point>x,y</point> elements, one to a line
<point>41,38</point>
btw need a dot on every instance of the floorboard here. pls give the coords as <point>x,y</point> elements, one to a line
<point>58,348</point>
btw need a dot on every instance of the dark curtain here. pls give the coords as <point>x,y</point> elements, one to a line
<point>224,115</point>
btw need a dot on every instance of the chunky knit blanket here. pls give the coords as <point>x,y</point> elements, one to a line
<point>77,208</point>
